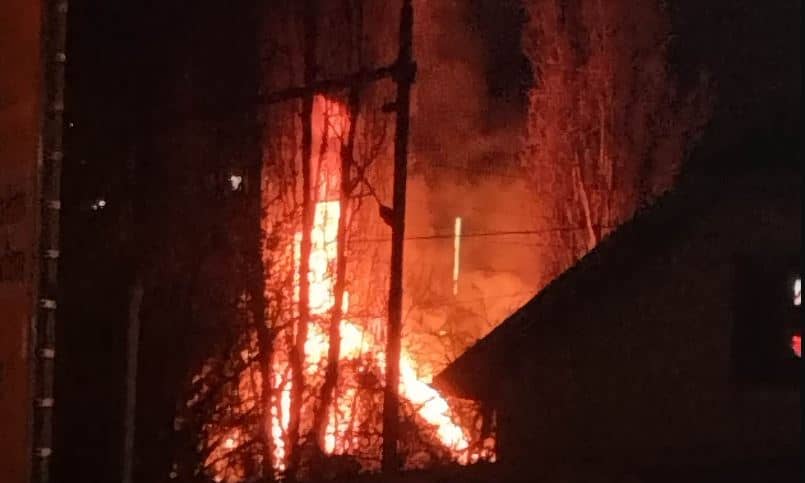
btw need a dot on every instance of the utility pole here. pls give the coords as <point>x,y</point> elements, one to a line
<point>404,74</point>
<point>48,200</point>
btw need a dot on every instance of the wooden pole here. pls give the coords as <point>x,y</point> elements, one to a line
<point>405,72</point>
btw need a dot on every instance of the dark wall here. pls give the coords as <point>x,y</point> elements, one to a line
<point>639,372</point>
<point>20,102</point>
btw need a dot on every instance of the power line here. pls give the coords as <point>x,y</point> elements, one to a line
<point>482,234</point>
<point>459,301</point>
<point>490,172</point>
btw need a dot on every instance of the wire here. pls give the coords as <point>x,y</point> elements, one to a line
<point>480,234</point>
<point>460,301</point>
<point>489,172</point>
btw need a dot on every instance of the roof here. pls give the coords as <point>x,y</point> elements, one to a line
<point>473,375</point>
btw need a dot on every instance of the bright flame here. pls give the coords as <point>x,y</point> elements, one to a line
<point>797,292</point>
<point>431,406</point>
<point>356,341</point>
<point>361,339</point>
<point>323,249</point>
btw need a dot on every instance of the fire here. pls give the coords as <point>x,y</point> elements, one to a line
<point>355,341</point>
<point>361,342</point>
<point>323,238</point>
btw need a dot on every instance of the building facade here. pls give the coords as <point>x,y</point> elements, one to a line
<point>672,347</point>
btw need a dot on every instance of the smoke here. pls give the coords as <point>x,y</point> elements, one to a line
<point>464,163</point>
<point>456,122</point>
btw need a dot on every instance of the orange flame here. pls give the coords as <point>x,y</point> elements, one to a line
<point>330,128</point>
<point>356,341</point>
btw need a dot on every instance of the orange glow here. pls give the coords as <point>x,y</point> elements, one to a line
<point>355,341</point>
<point>362,345</point>
<point>796,345</point>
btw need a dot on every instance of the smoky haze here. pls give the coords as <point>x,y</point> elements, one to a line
<point>467,132</point>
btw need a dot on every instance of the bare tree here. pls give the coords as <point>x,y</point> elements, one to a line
<point>346,184</point>
<point>608,127</point>
<point>264,402</point>
<point>298,350</point>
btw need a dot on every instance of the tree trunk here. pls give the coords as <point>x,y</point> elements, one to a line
<point>297,352</point>
<point>334,332</point>
<point>265,341</point>
<point>255,264</point>
<point>257,307</point>
<point>592,239</point>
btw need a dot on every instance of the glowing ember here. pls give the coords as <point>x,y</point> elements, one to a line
<point>796,345</point>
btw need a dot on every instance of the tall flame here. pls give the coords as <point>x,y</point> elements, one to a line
<point>356,341</point>
<point>361,340</point>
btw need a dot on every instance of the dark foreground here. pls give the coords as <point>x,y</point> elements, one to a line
<point>781,471</point>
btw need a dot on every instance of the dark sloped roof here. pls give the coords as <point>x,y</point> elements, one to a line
<point>469,375</point>
<point>652,229</point>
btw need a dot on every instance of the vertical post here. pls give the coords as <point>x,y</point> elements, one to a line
<point>404,73</point>
<point>456,254</point>
<point>43,331</point>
